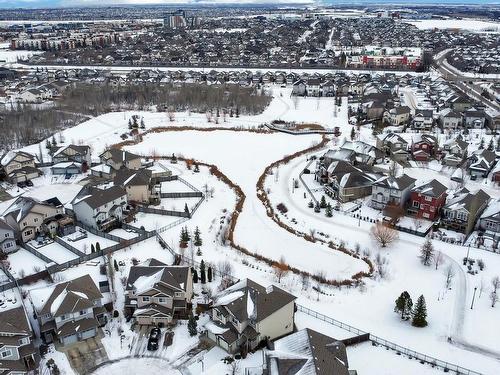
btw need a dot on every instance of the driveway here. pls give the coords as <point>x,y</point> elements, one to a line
<point>85,355</point>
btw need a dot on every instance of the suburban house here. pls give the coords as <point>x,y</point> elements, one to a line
<point>423,119</point>
<point>307,352</point>
<point>247,313</point>
<point>100,208</point>
<point>481,163</point>
<point>474,119</point>
<point>495,173</point>
<point>139,184</point>
<point>156,294</point>
<point>67,168</point>
<point>118,159</point>
<point>394,191</point>
<point>490,218</point>
<point>70,311</point>
<point>398,115</point>
<point>73,153</point>
<point>30,217</point>
<point>102,171</point>
<point>18,354</point>
<point>455,152</point>
<point>450,119</point>
<point>460,103</point>
<point>426,200</point>
<point>19,166</point>
<point>462,210</point>
<point>423,147</point>
<point>394,146</point>
<point>347,182</point>
<point>364,153</point>
<point>7,238</point>
<point>16,160</point>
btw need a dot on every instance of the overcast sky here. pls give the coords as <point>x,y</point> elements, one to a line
<point>68,3</point>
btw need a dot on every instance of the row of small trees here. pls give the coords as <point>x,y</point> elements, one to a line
<point>205,273</point>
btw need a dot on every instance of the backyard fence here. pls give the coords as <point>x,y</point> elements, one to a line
<point>412,354</point>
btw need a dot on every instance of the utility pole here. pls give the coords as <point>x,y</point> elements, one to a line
<point>473,297</point>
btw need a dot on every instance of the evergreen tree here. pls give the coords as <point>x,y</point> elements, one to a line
<point>491,146</point>
<point>195,275</point>
<point>427,252</point>
<point>198,252</point>
<point>192,326</point>
<point>196,168</point>
<point>353,134</point>
<point>54,143</point>
<point>317,208</point>
<point>92,248</point>
<point>143,125</point>
<point>310,204</point>
<point>420,313</point>
<point>115,264</point>
<point>97,246</point>
<point>209,274</point>
<point>197,237</point>
<point>237,111</point>
<point>130,124</point>
<point>322,203</point>
<point>498,144</point>
<point>404,305</point>
<point>186,209</point>
<point>203,275</point>
<point>174,159</point>
<point>329,212</point>
<point>481,144</point>
<point>135,125</point>
<point>48,145</point>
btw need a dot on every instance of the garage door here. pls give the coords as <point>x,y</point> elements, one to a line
<point>88,334</point>
<point>67,340</point>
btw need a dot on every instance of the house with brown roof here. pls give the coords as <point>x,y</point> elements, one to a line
<point>30,217</point>
<point>394,191</point>
<point>117,159</point>
<point>307,352</point>
<point>157,294</point>
<point>139,185</point>
<point>247,313</point>
<point>70,311</point>
<point>100,208</point>
<point>18,354</point>
<point>463,209</point>
<point>73,153</point>
<point>394,146</point>
<point>480,163</point>
<point>19,166</point>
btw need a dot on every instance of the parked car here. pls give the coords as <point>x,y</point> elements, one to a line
<point>154,338</point>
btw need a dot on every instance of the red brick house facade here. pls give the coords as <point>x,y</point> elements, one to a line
<point>426,200</point>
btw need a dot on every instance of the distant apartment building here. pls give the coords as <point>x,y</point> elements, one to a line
<point>179,19</point>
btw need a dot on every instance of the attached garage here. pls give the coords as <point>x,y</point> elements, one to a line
<point>88,334</point>
<point>68,340</point>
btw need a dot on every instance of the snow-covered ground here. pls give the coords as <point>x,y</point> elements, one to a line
<point>463,24</point>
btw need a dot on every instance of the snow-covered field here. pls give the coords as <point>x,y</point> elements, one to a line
<point>234,153</point>
<point>463,24</point>
<point>133,366</point>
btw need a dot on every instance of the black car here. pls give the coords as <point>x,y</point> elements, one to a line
<point>154,338</point>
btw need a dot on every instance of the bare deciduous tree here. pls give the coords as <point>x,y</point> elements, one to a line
<point>449,274</point>
<point>280,269</point>
<point>438,259</point>
<point>383,234</point>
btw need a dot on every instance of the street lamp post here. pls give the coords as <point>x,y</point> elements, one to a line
<point>473,297</point>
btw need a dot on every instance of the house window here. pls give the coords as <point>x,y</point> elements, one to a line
<point>24,341</point>
<point>416,204</point>
<point>145,299</point>
<point>462,216</point>
<point>6,353</point>
<point>490,225</point>
<point>426,215</point>
<point>8,244</point>
<point>35,220</point>
<point>63,317</point>
<point>83,312</point>
<point>178,294</point>
<point>6,235</point>
<point>428,199</point>
<point>162,300</point>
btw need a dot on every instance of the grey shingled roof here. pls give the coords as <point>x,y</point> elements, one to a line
<point>96,197</point>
